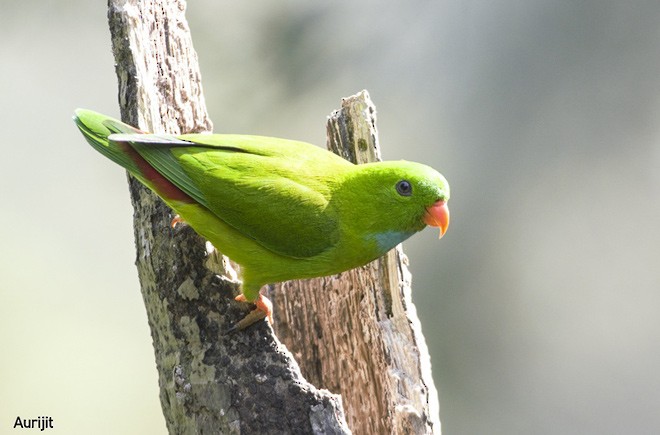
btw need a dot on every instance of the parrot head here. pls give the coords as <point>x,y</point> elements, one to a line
<point>420,187</point>
<point>398,198</point>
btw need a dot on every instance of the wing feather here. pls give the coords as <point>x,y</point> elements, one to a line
<point>272,190</point>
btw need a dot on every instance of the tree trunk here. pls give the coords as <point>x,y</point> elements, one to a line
<point>210,382</point>
<point>247,382</point>
<point>357,333</point>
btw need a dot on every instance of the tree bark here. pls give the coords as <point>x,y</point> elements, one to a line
<point>210,382</point>
<point>359,336</point>
<point>357,333</point>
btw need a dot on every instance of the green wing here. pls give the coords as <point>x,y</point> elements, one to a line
<point>272,190</point>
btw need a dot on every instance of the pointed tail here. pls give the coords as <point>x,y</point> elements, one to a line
<point>97,127</point>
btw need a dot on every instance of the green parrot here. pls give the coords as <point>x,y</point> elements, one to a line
<point>281,209</point>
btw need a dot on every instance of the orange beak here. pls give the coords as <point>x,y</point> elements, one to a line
<point>438,216</point>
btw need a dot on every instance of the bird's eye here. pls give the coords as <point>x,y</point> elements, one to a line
<point>404,188</point>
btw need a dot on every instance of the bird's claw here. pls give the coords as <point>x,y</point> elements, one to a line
<point>176,220</point>
<point>264,310</point>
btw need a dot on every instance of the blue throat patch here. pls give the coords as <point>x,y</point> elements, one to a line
<point>390,239</point>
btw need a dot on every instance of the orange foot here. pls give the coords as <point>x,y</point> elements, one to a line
<point>264,310</point>
<point>176,220</point>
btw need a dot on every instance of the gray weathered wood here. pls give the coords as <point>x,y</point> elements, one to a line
<point>357,333</point>
<point>210,382</point>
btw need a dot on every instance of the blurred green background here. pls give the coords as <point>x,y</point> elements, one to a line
<point>541,304</point>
